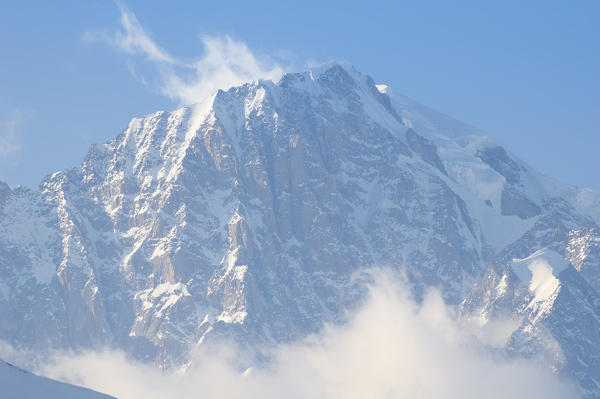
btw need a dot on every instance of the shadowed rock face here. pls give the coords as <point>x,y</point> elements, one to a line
<point>246,216</point>
<point>497,158</point>
<point>425,148</point>
<point>515,203</point>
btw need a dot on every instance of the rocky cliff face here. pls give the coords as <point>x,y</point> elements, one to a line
<point>245,217</point>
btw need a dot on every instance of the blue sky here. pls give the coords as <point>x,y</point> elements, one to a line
<point>525,72</point>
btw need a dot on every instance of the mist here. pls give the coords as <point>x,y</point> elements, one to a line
<point>391,347</point>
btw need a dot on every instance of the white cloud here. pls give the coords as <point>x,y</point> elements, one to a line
<point>392,347</point>
<point>134,39</point>
<point>10,137</point>
<point>224,64</point>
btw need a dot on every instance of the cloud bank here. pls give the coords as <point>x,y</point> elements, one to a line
<point>392,347</point>
<point>225,62</point>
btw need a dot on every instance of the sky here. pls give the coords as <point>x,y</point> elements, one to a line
<point>74,73</point>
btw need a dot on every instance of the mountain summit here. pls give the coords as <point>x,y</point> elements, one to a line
<point>246,217</point>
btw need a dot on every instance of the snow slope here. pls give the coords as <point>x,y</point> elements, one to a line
<point>19,384</point>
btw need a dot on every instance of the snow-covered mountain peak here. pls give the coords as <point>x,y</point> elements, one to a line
<point>245,217</point>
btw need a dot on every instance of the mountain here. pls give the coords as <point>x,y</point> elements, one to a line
<point>16,383</point>
<point>246,217</point>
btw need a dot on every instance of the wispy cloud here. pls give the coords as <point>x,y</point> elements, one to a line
<point>134,39</point>
<point>393,347</point>
<point>10,134</point>
<point>225,62</point>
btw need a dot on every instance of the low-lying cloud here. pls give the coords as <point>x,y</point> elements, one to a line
<point>225,62</point>
<point>392,347</point>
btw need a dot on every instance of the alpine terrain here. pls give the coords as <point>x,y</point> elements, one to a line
<point>246,217</point>
<point>17,383</point>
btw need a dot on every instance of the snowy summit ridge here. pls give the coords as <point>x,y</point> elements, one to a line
<point>245,216</point>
